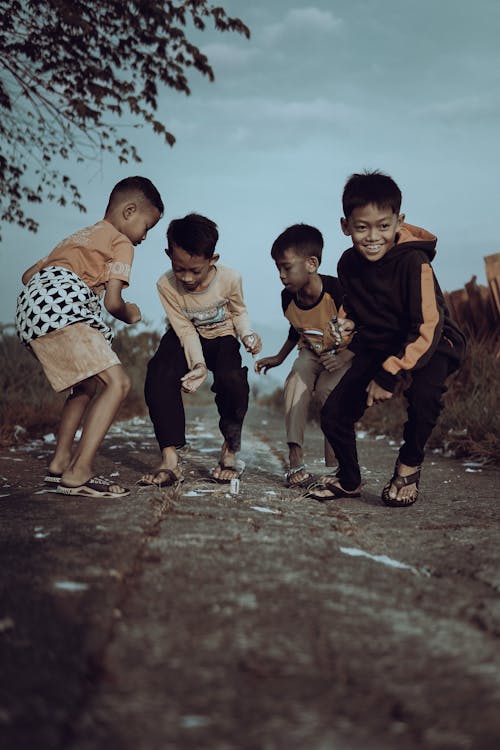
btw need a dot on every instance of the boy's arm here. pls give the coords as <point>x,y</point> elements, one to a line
<point>128,312</point>
<point>185,330</point>
<point>425,316</point>
<point>265,364</point>
<point>238,309</point>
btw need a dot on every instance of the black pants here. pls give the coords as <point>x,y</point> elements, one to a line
<point>163,388</point>
<point>347,403</point>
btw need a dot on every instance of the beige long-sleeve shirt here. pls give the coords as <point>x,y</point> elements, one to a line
<point>216,311</point>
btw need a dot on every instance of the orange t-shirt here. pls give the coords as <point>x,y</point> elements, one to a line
<point>96,254</point>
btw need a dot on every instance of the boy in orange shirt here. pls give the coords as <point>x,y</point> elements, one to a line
<point>58,316</point>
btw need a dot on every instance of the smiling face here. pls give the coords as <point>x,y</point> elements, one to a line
<point>194,272</point>
<point>372,229</point>
<point>295,270</point>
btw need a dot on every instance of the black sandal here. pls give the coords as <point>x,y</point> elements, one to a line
<point>333,487</point>
<point>399,482</point>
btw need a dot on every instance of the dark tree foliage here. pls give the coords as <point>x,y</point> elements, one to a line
<point>70,69</point>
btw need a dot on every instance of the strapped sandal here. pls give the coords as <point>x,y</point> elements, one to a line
<point>333,487</point>
<point>399,482</point>
<point>303,483</point>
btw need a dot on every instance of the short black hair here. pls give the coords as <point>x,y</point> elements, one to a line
<point>370,187</point>
<point>196,234</point>
<point>306,240</point>
<point>137,184</point>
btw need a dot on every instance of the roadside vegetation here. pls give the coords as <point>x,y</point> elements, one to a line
<point>469,425</point>
<point>29,408</point>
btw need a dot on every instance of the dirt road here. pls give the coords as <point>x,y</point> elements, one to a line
<point>197,619</point>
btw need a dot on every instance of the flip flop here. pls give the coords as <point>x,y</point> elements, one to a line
<point>171,479</point>
<point>96,487</point>
<point>399,482</point>
<point>52,477</point>
<point>336,490</point>
<point>238,469</point>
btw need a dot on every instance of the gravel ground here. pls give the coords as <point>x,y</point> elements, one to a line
<point>197,619</point>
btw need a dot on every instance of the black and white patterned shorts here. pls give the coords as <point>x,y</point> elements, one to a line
<point>56,297</point>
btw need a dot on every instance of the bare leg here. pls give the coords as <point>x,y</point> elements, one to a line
<point>100,415</point>
<point>71,419</point>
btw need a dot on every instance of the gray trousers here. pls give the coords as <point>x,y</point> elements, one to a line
<point>308,378</point>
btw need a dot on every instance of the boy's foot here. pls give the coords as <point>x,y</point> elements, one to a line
<point>298,476</point>
<point>223,473</point>
<point>329,488</point>
<point>402,490</point>
<point>228,467</point>
<point>162,477</point>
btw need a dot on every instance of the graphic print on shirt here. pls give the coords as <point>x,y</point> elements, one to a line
<point>209,318</point>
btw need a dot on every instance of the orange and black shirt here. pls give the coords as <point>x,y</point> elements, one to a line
<point>309,324</point>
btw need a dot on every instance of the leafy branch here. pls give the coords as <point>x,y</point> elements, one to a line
<point>71,69</point>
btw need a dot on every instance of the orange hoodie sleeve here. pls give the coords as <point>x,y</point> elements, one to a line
<point>425,326</point>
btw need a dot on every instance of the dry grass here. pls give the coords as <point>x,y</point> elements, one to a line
<point>29,407</point>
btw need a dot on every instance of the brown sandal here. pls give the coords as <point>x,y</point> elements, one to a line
<point>399,482</point>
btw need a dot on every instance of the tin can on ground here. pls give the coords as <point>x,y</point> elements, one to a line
<point>234,486</point>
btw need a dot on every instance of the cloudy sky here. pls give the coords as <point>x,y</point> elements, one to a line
<point>320,90</point>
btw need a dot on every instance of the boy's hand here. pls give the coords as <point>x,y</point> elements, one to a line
<point>376,394</point>
<point>132,312</point>
<point>191,381</point>
<point>342,330</point>
<point>265,364</point>
<point>252,343</point>
<point>332,361</point>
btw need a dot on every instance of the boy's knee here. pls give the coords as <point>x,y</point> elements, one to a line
<point>295,384</point>
<point>426,400</point>
<point>117,378</point>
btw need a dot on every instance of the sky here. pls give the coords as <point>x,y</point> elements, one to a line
<point>321,90</point>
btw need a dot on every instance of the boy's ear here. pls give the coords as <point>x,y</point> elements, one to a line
<point>312,264</point>
<point>215,258</point>
<point>344,227</point>
<point>129,209</point>
<point>401,220</point>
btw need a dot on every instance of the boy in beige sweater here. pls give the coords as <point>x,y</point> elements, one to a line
<point>206,317</point>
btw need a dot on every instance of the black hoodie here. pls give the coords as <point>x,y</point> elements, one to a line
<point>399,310</point>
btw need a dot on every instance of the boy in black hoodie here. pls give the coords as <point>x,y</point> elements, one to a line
<point>403,327</point>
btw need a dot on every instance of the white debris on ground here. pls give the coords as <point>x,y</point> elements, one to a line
<point>383,559</point>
